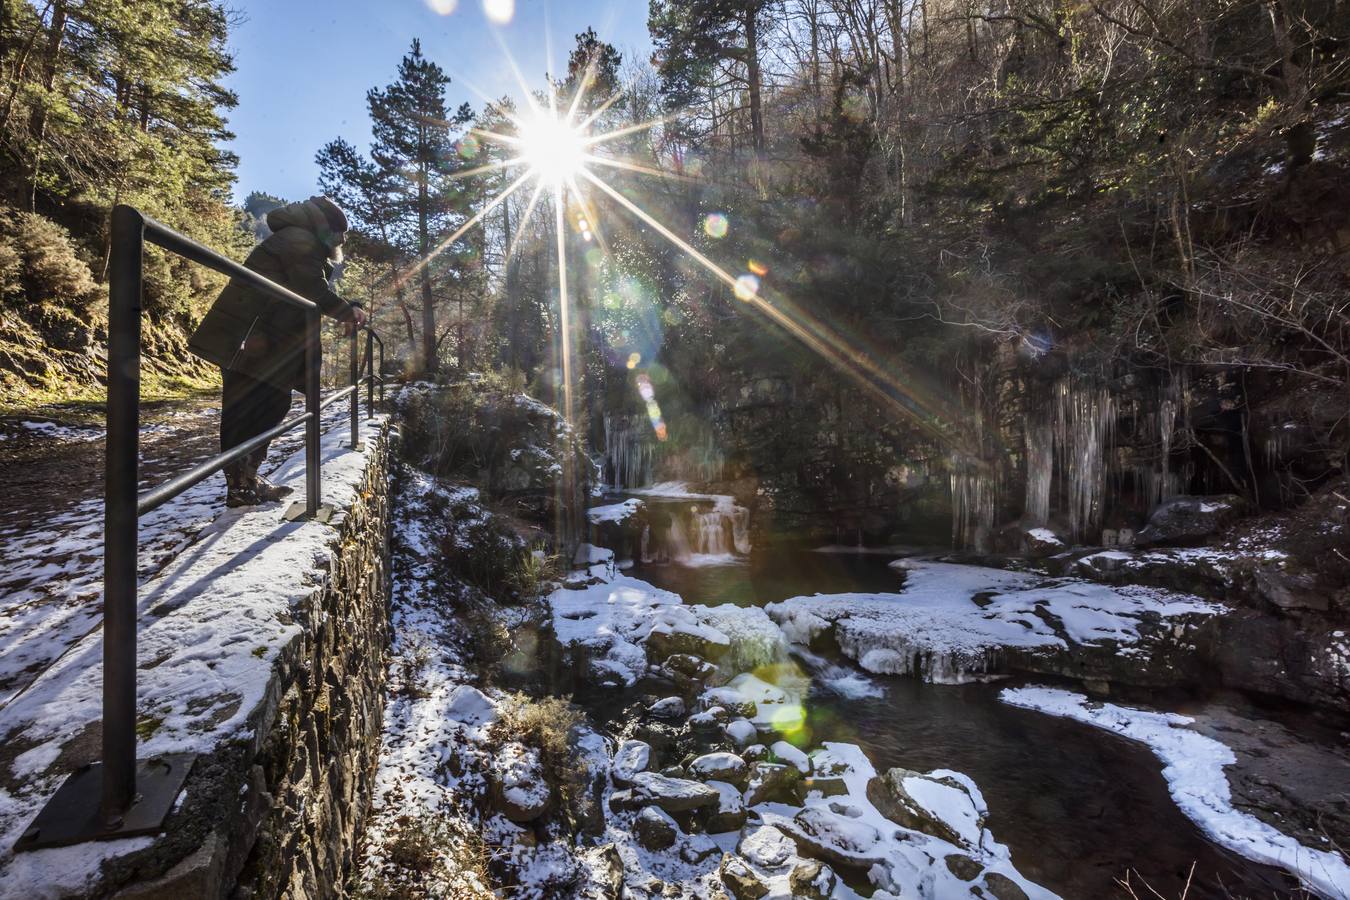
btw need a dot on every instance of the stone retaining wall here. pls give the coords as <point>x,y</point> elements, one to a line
<point>262,649</point>
<point>306,784</point>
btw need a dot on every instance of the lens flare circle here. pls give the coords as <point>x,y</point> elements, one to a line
<point>715,225</point>
<point>500,12</point>
<point>552,148</point>
<point>747,287</point>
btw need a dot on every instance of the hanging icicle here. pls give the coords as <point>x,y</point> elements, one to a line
<point>1084,429</point>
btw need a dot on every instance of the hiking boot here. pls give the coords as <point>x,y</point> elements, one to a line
<point>268,492</point>
<point>240,490</point>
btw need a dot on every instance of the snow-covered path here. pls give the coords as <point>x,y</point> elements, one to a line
<point>51,529</point>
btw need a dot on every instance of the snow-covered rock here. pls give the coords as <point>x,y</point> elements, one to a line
<point>614,512</point>
<point>812,880</point>
<point>934,804</point>
<point>520,791</point>
<point>741,881</point>
<point>606,624</point>
<point>630,758</point>
<point>786,753</point>
<point>1184,519</point>
<point>470,706</point>
<point>667,708</point>
<point>1040,542</point>
<point>765,846</point>
<point>842,840</point>
<point>730,812</point>
<point>673,794</point>
<point>771,782</point>
<point>718,767</point>
<point>655,829</point>
<point>678,629</point>
<point>741,732</point>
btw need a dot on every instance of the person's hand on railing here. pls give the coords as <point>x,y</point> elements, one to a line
<point>357,320</point>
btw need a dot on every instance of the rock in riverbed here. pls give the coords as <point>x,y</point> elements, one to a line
<point>673,794</point>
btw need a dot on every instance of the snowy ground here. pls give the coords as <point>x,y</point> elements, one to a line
<point>1193,765</point>
<point>949,621</point>
<point>51,574</point>
<point>210,625</point>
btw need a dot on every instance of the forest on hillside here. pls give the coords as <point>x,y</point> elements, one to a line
<point>979,239</point>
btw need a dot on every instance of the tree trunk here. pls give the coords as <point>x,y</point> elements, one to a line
<point>753,77</point>
<point>423,249</point>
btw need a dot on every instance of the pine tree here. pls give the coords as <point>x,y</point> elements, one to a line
<point>695,39</point>
<point>414,149</point>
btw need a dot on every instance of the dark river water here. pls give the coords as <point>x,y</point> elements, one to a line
<point>1080,809</point>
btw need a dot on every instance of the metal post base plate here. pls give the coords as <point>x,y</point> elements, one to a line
<point>72,815</point>
<point>296,511</point>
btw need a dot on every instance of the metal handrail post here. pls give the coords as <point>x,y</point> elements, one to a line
<point>313,360</point>
<point>356,386</point>
<point>370,374</point>
<point>119,514</point>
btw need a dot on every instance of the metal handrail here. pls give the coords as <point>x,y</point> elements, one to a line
<point>135,797</point>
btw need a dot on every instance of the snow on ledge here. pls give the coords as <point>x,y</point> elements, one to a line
<point>1193,766</point>
<point>210,626</point>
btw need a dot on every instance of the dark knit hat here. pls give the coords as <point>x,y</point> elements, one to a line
<point>337,219</point>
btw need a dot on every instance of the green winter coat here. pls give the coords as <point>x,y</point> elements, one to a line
<point>252,333</point>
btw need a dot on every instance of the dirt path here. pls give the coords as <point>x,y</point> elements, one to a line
<point>51,522</point>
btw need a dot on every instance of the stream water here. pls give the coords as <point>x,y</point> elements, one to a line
<point>1079,808</point>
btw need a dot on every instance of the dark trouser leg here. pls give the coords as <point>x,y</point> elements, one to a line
<point>248,408</point>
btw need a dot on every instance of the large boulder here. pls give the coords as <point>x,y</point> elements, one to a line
<point>1186,519</point>
<point>673,794</point>
<point>939,806</point>
<point>519,790</point>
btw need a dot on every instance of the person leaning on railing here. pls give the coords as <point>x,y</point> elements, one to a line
<point>259,342</point>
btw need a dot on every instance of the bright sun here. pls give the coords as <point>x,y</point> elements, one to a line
<point>551,147</point>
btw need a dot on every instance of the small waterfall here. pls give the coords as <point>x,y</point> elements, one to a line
<point>699,532</point>
<point>677,542</point>
<point>630,451</point>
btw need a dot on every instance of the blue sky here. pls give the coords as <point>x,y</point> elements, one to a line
<point>304,66</point>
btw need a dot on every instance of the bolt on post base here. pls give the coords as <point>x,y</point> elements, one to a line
<point>73,815</point>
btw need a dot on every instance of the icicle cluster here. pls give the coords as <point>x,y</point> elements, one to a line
<point>974,502</point>
<point>630,451</point>
<point>1040,454</point>
<point>1084,427</point>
